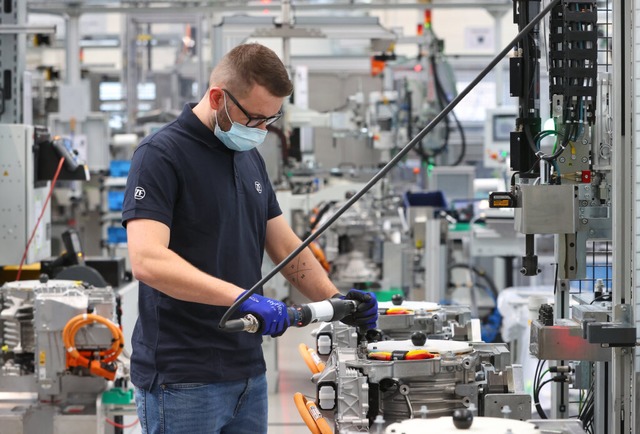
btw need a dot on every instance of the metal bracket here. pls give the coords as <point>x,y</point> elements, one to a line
<point>519,404</point>
<point>613,334</point>
<point>288,32</point>
<point>14,29</point>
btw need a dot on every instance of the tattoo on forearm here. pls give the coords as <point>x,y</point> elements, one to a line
<point>297,271</point>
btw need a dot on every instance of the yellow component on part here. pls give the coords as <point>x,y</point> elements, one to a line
<point>27,267</point>
<point>501,203</point>
<point>380,355</point>
<point>398,310</point>
<point>43,358</point>
<point>5,348</point>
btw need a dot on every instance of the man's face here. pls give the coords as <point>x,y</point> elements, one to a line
<point>256,106</point>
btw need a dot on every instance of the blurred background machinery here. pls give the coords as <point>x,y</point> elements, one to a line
<point>546,139</point>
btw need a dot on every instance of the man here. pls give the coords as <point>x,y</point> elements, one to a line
<point>200,211</point>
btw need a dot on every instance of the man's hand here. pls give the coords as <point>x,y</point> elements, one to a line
<point>272,314</point>
<point>366,315</point>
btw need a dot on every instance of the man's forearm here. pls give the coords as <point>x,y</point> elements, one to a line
<point>307,275</point>
<point>169,273</point>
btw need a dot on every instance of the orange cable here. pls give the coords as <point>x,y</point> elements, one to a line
<point>311,415</point>
<point>311,358</point>
<point>107,356</point>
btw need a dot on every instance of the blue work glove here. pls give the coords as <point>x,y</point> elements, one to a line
<point>272,314</point>
<point>366,315</point>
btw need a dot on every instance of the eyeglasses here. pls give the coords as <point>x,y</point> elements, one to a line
<point>253,122</point>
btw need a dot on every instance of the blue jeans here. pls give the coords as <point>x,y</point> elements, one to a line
<point>234,407</point>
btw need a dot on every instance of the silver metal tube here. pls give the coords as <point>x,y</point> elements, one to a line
<point>172,7</point>
<point>72,41</point>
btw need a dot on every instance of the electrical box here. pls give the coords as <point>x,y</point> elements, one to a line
<point>90,139</point>
<point>22,198</point>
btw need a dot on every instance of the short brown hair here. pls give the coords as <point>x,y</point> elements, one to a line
<point>249,64</point>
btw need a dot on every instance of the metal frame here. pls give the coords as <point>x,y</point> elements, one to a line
<point>209,6</point>
<point>233,30</point>
<point>131,71</point>
<point>624,212</point>
<point>12,44</point>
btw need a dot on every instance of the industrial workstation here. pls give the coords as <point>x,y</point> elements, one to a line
<point>319,216</point>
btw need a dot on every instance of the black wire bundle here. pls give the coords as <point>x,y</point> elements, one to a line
<point>427,155</point>
<point>571,130</point>
<point>586,414</point>
<point>444,101</point>
<point>513,176</point>
<point>529,46</point>
<point>480,273</point>
<point>537,376</point>
<point>587,411</point>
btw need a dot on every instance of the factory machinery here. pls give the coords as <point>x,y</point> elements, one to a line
<point>61,347</point>
<point>426,367</point>
<point>424,361</point>
<point>422,358</point>
<point>61,363</point>
<point>568,179</point>
<point>577,188</point>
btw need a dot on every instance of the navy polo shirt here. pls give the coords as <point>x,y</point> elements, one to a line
<point>217,203</point>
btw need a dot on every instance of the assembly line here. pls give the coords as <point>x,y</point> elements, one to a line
<point>439,197</point>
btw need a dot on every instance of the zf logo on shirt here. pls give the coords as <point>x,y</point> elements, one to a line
<point>139,193</point>
<point>258,187</point>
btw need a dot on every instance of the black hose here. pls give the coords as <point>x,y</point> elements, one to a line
<point>442,96</point>
<point>442,100</point>
<point>481,273</point>
<point>536,384</point>
<point>565,142</point>
<point>395,160</point>
<point>463,143</point>
<point>536,399</point>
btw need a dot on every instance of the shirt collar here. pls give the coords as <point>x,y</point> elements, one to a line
<point>192,124</point>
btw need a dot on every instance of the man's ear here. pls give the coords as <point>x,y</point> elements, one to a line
<point>216,98</point>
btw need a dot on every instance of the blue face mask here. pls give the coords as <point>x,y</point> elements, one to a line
<point>239,137</point>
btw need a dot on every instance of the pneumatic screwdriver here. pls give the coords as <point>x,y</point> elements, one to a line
<point>333,309</point>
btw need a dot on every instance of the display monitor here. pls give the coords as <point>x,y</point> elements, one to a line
<point>456,182</point>
<point>499,124</point>
<point>113,91</point>
<point>110,91</point>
